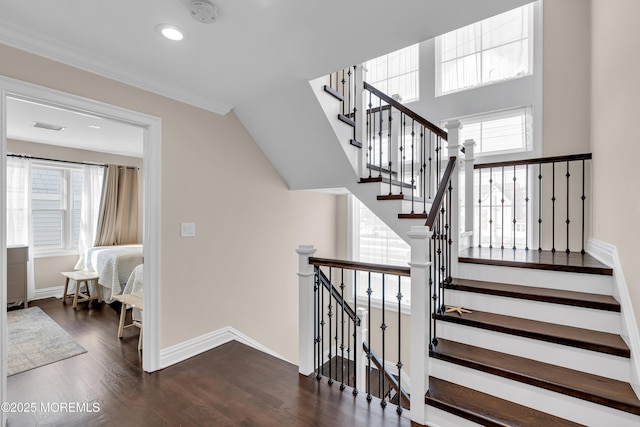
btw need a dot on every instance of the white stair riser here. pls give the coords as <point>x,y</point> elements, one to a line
<point>558,404</point>
<point>577,282</point>
<point>593,362</point>
<point>580,317</point>
<point>439,418</point>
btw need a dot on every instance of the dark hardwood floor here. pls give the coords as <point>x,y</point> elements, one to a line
<point>231,385</point>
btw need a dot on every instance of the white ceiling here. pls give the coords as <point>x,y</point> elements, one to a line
<point>254,49</point>
<point>81,130</point>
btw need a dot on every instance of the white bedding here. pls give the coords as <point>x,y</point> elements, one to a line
<point>114,265</point>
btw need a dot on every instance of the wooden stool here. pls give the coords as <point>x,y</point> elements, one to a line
<point>133,300</point>
<point>80,277</point>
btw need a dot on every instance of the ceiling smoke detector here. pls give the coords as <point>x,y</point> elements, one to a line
<point>203,11</point>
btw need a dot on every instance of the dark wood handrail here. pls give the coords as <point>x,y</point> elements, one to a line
<point>424,122</point>
<point>361,266</point>
<point>390,378</point>
<point>437,201</point>
<point>338,297</point>
<point>539,160</point>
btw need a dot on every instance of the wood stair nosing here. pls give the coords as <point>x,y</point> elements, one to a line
<point>406,197</point>
<point>347,120</point>
<point>555,296</point>
<point>593,388</point>
<point>385,180</point>
<point>601,342</point>
<point>331,91</point>
<point>537,265</point>
<point>485,409</point>
<point>412,216</point>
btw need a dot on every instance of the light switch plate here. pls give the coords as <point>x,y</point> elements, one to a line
<point>188,229</point>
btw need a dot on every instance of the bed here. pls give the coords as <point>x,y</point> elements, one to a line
<point>115,265</point>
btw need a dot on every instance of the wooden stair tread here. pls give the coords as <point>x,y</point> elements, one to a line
<point>605,391</point>
<point>331,91</point>
<point>413,216</point>
<point>556,296</point>
<point>384,180</point>
<point>406,197</point>
<point>485,409</point>
<point>346,119</point>
<point>545,260</point>
<point>602,342</point>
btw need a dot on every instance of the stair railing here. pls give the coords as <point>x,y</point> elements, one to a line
<point>536,203</point>
<point>352,304</point>
<point>400,147</point>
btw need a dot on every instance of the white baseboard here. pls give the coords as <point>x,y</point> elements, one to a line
<point>608,254</point>
<point>52,292</point>
<point>190,348</point>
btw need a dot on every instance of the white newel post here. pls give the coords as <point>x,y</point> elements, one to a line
<point>469,160</point>
<point>361,117</point>
<point>305,309</point>
<point>420,237</point>
<point>359,354</point>
<point>453,148</point>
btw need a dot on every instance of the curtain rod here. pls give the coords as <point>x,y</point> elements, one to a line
<point>26,156</point>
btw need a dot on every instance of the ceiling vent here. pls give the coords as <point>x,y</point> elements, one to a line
<point>48,126</point>
<point>203,11</point>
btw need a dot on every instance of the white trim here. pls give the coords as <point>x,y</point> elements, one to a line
<point>608,254</point>
<point>3,254</point>
<point>51,292</point>
<point>152,232</point>
<point>69,55</point>
<point>195,346</point>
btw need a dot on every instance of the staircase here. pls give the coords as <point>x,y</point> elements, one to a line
<point>527,338</point>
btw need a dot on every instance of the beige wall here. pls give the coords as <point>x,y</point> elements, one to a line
<point>47,269</point>
<point>240,269</point>
<point>566,77</point>
<point>615,93</point>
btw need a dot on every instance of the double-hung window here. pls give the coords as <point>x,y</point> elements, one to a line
<point>374,242</point>
<point>56,199</point>
<point>396,73</point>
<point>495,49</point>
<point>502,132</point>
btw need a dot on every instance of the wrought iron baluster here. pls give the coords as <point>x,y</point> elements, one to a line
<point>502,211</point>
<point>403,131</point>
<point>322,323</point>
<point>342,330</point>
<point>490,208</point>
<point>450,233</point>
<point>343,81</point>
<point>380,133</point>
<point>423,169</point>
<point>539,206</point>
<point>330,316</point>
<point>513,204</point>
<point>568,221</point>
<point>413,181</point>
<point>479,208</point>
<point>369,135</point>
<point>399,364</point>
<point>583,197</point>
<point>383,328</point>
<point>430,163</point>
<point>526,209</point>
<point>553,207</point>
<point>355,332</point>
<point>390,151</point>
<point>369,291</point>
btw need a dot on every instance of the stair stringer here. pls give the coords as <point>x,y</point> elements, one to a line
<point>608,254</point>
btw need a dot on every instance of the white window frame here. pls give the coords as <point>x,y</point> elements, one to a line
<point>388,59</point>
<point>354,250</point>
<point>525,111</point>
<point>68,246</point>
<point>529,17</point>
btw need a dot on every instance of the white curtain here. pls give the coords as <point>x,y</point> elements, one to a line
<point>19,212</point>
<point>93,177</point>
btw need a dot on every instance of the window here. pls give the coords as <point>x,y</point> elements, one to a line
<point>502,132</point>
<point>396,73</point>
<point>496,49</point>
<point>375,242</point>
<point>56,198</point>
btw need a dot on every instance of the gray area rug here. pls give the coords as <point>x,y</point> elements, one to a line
<point>36,340</point>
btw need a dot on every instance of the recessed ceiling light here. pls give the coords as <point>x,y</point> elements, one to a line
<point>170,31</point>
<point>95,127</point>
